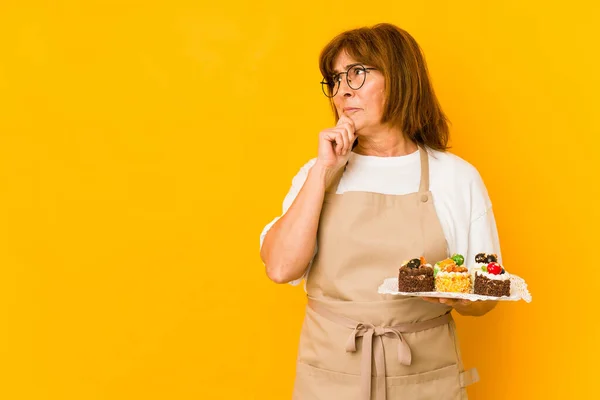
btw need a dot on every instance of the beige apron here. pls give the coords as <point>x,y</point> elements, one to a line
<point>357,344</point>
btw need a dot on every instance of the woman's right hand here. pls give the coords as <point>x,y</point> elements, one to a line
<point>335,144</point>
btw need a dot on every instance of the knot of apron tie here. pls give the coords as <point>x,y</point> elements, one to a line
<point>373,349</point>
<point>404,354</point>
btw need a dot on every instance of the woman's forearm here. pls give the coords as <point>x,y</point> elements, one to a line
<point>289,245</point>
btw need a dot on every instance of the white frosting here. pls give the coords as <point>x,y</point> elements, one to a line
<point>477,268</point>
<point>478,271</point>
<point>444,273</point>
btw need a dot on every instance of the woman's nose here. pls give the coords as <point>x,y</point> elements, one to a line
<point>345,89</point>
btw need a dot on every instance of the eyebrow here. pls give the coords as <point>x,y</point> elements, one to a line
<point>347,67</point>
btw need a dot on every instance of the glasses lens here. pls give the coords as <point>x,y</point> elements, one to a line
<point>356,77</point>
<point>329,87</point>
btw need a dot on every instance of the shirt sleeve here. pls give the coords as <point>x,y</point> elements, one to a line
<point>483,232</point>
<point>483,236</point>
<point>297,183</point>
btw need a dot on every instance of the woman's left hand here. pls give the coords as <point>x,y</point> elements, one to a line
<point>465,307</point>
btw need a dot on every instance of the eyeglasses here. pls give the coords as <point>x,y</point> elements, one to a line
<point>355,77</point>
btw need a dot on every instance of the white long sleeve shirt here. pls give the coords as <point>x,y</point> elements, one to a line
<point>459,195</point>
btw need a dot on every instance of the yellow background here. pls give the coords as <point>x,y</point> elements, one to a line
<point>145,144</point>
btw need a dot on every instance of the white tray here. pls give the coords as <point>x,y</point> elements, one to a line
<point>518,291</point>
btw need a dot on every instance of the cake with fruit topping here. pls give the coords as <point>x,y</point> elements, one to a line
<point>452,276</point>
<point>416,276</point>
<point>490,278</point>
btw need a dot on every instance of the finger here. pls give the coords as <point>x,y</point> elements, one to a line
<point>431,299</point>
<point>351,138</point>
<point>348,132</point>
<point>449,302</point>
<point>344,135</point>
<point>339,143</point>
<point>343,119</point>
<point>341,131</point>
<point>346,120</point>
<point>334,137</point>
<point>350,121</point>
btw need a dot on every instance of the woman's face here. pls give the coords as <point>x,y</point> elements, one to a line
<point>365,105</point>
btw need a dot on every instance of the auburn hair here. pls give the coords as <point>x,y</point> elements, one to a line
<point>411,103</point>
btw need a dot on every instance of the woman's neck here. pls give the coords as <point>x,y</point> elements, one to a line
<point>385,144</point>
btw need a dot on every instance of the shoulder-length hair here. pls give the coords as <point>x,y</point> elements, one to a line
<point>411,103</point>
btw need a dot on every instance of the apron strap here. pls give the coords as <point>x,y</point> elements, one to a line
<point>424,186</point>
<point>372,348</point>
<point>469,377</point>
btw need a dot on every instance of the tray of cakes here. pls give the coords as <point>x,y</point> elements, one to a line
<point>450,278</point>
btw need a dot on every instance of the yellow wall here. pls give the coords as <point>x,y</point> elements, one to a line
<point>144,145</point>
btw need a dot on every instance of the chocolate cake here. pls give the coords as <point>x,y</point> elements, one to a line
<point>416,276</point>
<point>489,287</point>
<point>490,277</point>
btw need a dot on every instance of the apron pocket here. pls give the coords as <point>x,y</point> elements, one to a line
<point>314,383</point>
<point>439,384</point>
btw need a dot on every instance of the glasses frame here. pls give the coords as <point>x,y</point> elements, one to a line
<point>336,78</point>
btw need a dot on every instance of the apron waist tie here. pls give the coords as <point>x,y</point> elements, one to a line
<point>373,349</point>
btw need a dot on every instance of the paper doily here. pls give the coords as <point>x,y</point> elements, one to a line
<point>518,291</point>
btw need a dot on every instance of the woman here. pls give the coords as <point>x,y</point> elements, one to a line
<point>382,189</point>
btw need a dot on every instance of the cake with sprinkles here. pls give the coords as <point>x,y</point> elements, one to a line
<point>452,276</point>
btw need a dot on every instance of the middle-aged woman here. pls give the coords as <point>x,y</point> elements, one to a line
<point>382,189</point>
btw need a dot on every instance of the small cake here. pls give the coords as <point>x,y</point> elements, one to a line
<point>490,278</point>
<point>416,276</point>
<point>452,276</point>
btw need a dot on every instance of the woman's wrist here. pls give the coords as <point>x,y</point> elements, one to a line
<point>324,174</point>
